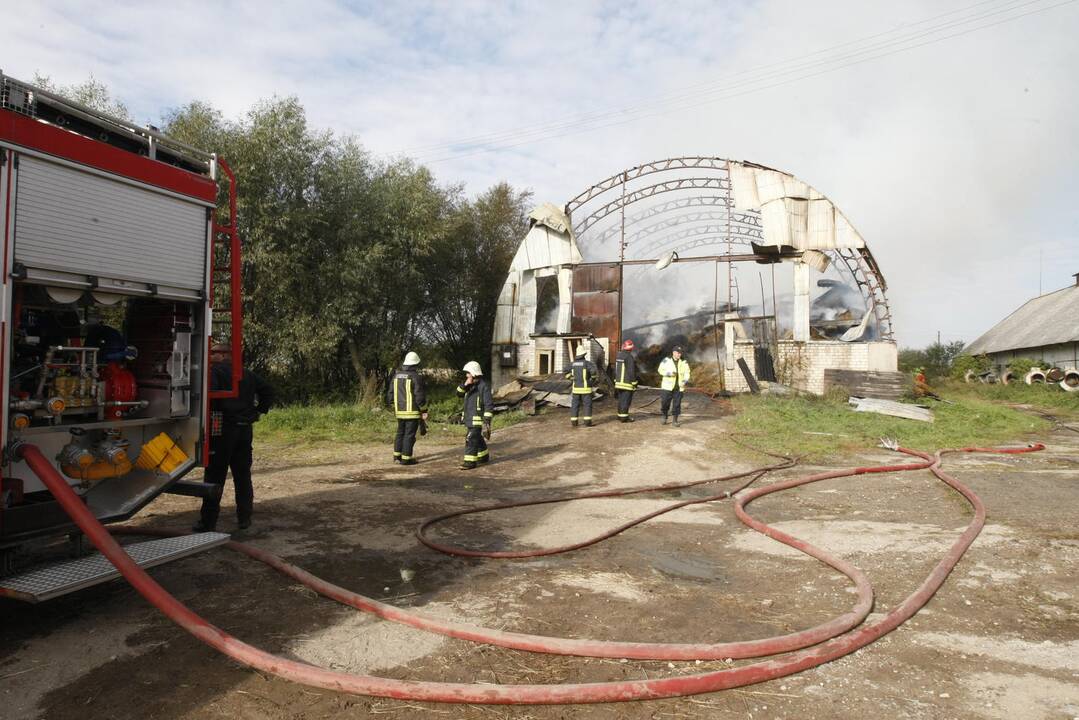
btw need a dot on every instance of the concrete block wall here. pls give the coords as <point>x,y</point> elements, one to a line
<point>802,364</point>
<point>732,376</point>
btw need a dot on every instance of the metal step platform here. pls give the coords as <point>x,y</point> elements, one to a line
<point>46,583</point>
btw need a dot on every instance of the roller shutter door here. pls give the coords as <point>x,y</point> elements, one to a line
<point>75,221</point>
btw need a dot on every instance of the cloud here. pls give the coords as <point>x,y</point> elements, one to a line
<point>957,160</point>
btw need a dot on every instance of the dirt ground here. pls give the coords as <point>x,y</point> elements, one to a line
<point>1000,640</point>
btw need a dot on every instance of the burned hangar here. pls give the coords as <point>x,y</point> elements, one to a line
<point>731,259</point>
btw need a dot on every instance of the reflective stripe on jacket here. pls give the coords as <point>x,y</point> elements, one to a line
<point>625,371</point>
<point>479,407</point>
<point>407,394</point>
<point>584,373</point>
<point>675,374</point>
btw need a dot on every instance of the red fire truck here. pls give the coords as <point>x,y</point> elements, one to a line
<point>117,271</point>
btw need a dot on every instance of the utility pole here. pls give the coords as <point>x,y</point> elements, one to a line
<point>938,337</point>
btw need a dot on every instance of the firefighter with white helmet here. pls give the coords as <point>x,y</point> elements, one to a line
<point>408,397</point>
<point>625,380</point>
<point>674,374</point>
<point>477,415</point>
<point>584,374</point>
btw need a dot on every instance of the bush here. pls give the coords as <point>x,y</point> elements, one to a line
<point>1022,365</point>
<point>964,362</point>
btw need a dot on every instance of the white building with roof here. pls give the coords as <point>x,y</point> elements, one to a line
<point>1045,329</point>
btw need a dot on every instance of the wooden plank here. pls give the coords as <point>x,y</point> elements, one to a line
<point>750,380</point>
<point>891,385</point>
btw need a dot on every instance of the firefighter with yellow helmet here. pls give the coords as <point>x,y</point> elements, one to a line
<point>477,415</point>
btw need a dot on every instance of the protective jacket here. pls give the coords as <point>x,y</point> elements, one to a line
<point>584,374</point>
<point>625,371</point>
<point>675,374</point>
<point>254,400</point>
<point>407,394</point>
<point>479,407</point>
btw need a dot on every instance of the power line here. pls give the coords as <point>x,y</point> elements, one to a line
<point>585,127</point>
<point>689,90</point>
<point>518,138</point>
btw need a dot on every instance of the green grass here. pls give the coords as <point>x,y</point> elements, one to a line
<point>355,423</point>
<point>1047,398</point>
<point>823,428</point>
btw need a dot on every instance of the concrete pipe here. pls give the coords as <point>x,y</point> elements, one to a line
<point>1070,381</point>
<point>1036,375</point>
<point>970,376</point>
<point>1054,375</point>
<point>1008,377</point>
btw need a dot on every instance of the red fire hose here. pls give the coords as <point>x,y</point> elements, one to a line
<point>519,694</point>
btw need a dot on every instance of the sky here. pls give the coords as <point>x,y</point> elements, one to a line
<point>947,131</point>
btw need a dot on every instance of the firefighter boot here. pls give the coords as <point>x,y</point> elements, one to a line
<point>573,423</point>
<point>627,418</point>
<point>676,423</point>
<point>408,461</point>
<point>468,465</point>
<point>588,423</point>
<point>665,421</point>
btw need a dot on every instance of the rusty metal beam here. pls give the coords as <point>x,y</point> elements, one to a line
<point>730,258</point>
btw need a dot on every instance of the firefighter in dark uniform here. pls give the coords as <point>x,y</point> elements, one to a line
<point>231,423</point>
<point>584,374</point>
<point>625,380</point>
<point>477,415</point>
<point>408,398</point>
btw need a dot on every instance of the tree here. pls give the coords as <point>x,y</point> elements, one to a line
<point>92,93</point>
<point>386,230</point>
<point>911,359</point>
<point>348,262</point>
<point>939,357</point>
<point>466,273</point>
<point>936,360</point>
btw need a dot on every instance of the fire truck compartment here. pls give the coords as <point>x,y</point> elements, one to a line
<point>99,231</point>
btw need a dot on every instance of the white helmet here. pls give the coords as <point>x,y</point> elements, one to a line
<point>582,349</point>
<point>473,367</point>
<point>412,359</point>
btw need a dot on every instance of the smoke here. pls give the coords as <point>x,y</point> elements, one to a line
<point>547,305</point>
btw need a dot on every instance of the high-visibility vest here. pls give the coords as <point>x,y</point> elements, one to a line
<point>675,374</point>
<point>625,371</point>
<point>479,405</point>
<point>583,372</point>
<point>409,397</point>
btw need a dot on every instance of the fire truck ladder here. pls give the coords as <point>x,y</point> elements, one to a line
<point>225,293</point>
